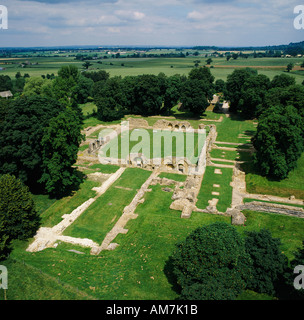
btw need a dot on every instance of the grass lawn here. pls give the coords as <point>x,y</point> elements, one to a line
<point>154,144</point>
<point>88,108</point>
<point>292,185</point>
<point>288,229</point>
<point>137,268</point>
<point>102,215</point>
<point>173,176</point>
<point>230,155</point>
<point>52,215</point>
<point>134,270</point>
<point>105,168</point>
<point>225,190</point>
<point>235,130</point>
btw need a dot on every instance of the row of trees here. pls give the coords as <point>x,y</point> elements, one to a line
<point>152,95</point>
<point>279,107</point>
<point>216,263</point>
<point>15,85</point>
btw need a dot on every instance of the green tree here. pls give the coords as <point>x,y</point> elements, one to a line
<point>110,99</point>
<point>235,56</point>
<point>97,76</point>
<point>5,83</point>
<point>21,133</point>
<point>148,95</point>
<point>66,84</point>
<point>60,145</point>
<point>289,67</point>
<point>211,264</point>
<point>282,80</point>
<point>18,216</point>
<point>203,74</point>
<point>36,86</point>
<point>87,65</point>
<point>172,93</point>
<point>209,61</point>
<point>278,141</point>
<point>220,85</point>
<point>235,86</point>
<point>253,93</point>
<point>194,96</point>
<point>84,89</point>
<point>269,263</point>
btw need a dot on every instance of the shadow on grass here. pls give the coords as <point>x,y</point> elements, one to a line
<point>168,271</point>
<point>249,167</point>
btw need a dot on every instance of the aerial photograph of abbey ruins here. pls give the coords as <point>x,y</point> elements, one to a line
<point>151,151</point>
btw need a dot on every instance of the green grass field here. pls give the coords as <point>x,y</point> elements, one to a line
<point>154,144</point>
<point>136,269</point>
<point>225,190</point>
<point>102,215</point>
<point>292,185</point>
<point>137,66</point>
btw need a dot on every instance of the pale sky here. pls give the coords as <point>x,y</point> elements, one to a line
<point>150,22</point>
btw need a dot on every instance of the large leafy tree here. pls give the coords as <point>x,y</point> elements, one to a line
<point>60,145</point>
<point>291,95</point>
<point>21,133</point>
<point>84,89</point>
<point>172,93</point>
<point>202,74</point>
<point>197,90</point>
<point>283,80</point>
<point>194,96</point>
<point>278,141</point>
<point>211,264</point>
<point>37,86</point>
<point>269,263</point>
<point>235,86</point>
<point>97,76</point>
<point>18,216</point>
<point>110,100</point>
<point>148,97</point>
<point>5,83</point>
<point>253,92</point>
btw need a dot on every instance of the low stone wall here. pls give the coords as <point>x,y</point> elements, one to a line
<point>273,208</point>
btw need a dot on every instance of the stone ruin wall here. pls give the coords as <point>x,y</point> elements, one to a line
<point>169,164</point>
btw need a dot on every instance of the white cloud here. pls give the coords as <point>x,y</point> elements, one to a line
<point>129,14</point>
<point>195,15</point>
<point>155,22</point>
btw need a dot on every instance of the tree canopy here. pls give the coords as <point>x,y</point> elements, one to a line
<point>211,264</point>
<point>21,135</point>
<point>18,216</point>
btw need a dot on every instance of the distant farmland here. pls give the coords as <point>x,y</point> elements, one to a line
<point>221,68</point>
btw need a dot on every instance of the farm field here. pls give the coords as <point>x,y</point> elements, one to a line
<point>137,66</point>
